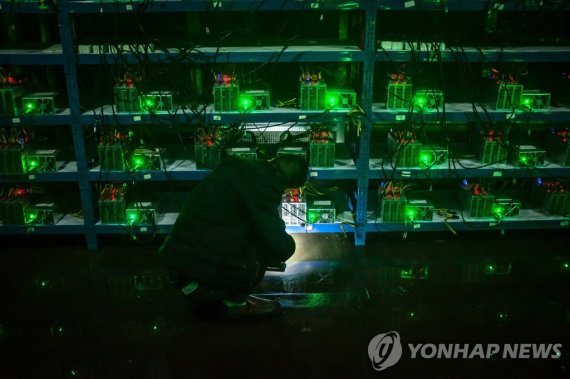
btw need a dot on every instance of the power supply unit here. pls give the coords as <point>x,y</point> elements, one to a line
<point>506,207</point>
<point>255,100</point>
<point>242,152</point>
<point>146,159</point>
<point>141,213</point>
<point>341,99</point>
<point>429,99</point>
<point>39,214</point>
<point>535,100</point>
<point>321,212</point>
<point>292,150</point>
<point>40,102</point>
<point>431,155</point>
<point>419,210</point>
<point>42,160</point>
<point>157,101</point>
<point>528,156</point>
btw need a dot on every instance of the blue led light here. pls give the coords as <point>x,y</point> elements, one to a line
<point>539,181</point>
<point>465,182</point>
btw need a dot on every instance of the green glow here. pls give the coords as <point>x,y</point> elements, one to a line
<point>565,266</point>
<point>33,163</point>
<point>73,373</point>
<point>148,102</point>
<point>312,216</point>
<point>60,329</point>
<point>502,316</point>
<point>30,216</point>
<point>246,102</point>
<point>30,105</point>
<point>411,213</point>
<point>490,268</point>
<point>498,210</point>
<point>155,327</point>
<point>132,215</point>
<point>411,315</point>
<point>425,158</point>
<point>523,159</point>
<point>43,283</point>
<point>137,161</point>
<point>420,101</point>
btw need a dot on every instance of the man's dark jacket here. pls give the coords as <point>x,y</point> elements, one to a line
<point>229,223</point>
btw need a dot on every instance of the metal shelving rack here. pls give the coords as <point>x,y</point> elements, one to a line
<point>363,170</point>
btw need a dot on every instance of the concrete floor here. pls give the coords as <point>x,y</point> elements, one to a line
<point>67,313</point>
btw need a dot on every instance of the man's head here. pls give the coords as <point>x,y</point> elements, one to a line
<point>291,170</point>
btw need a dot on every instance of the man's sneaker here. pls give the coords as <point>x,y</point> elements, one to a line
<point>253,307</point>
<point>263,303</point>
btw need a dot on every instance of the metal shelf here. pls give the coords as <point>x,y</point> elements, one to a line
<point>67,172</point>
<point>67,224</point>
<point>463,5</point>
<point>62,117</point>
<point>165,222</point>
<point>463,112</point>
<point>471,169</point>
<point>487,54</point>
<point>15,6</point>
<point>186,170</point>
<point>51,55</point>
<point>245,54</point>
<point>529,219</point>
<point>209,5</point>
<point>109,115</point>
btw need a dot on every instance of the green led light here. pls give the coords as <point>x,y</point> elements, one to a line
<point>33,163</point>
<point>155,327</point>
<point>73,373</point>
<point>490,268</point>
<point>502,316</point>
<point>60,329</point>
<point>420,101</point>
<point>246,102</point>
<point>565,266</point>
<point>498,210</point>
<point>132,215</point>
<point>411,213</point>
<point>30,105</point>
<point>31,216</point>
<point>43,283</point>
<point>312,216</point>
<point>411,315</point>
<point>137,161</point>
<point>523,158</point>
<point>332,98</point>
<point>149,102</point>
